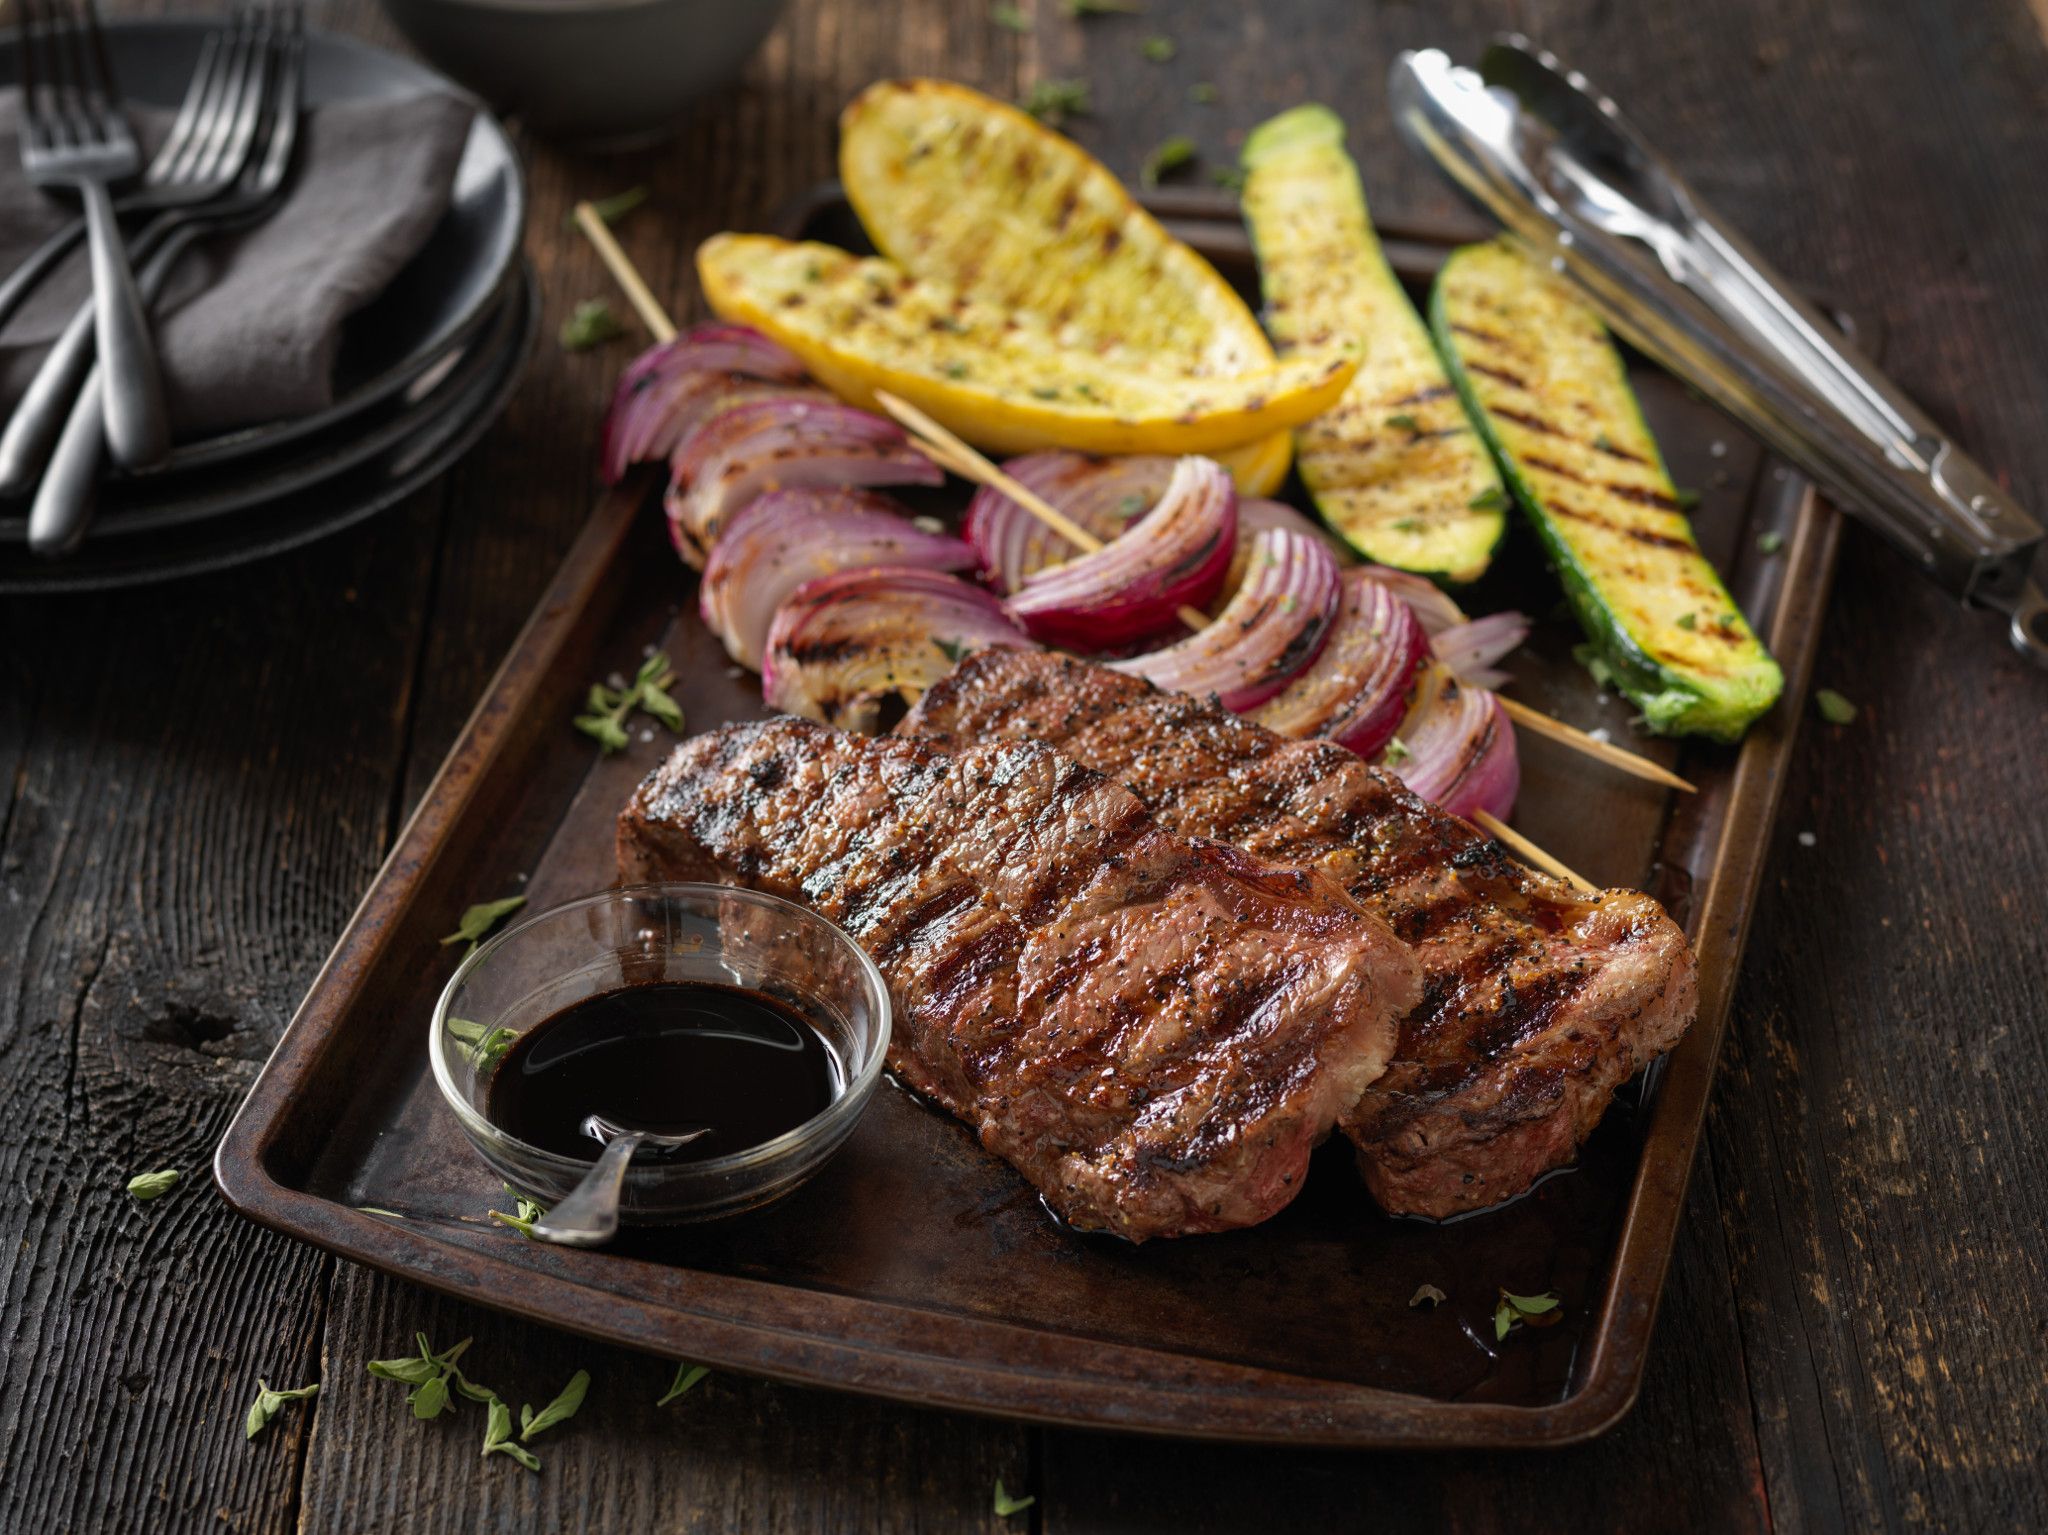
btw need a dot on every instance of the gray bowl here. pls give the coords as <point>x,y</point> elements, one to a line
<point>602,73</point>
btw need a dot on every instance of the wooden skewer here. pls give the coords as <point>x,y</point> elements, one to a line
<point>1543,725</point>
<point>1528,851</point>
<point>625,274</point>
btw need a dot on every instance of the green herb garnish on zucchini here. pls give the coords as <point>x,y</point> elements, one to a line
<point>1395,468</point>
<point>1550,393</point>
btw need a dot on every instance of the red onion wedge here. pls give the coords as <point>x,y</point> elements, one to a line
<point>788,537</point>
<point>857,649</point>
<point>764,445</point>
<point>1104,495</point>
<point>1456,748</point>
<point>660,392</point>
<point>1272,630</point>
<point>1133,587</point>
<point>1356,692</point>
<point>1470,649</point>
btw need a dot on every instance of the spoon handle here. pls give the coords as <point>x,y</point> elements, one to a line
<point>589,1217</point>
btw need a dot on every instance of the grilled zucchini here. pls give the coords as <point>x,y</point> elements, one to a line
<point>1395,468</point>
<point>971,193</point>
<point>996,377</point>
<point>1550,392</point>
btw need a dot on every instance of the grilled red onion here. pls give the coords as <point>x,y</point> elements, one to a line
<point>858,648</point>
<point>1356,692</point>
<point>767,444</point>
<point>1273,628</point>
<point>663,390</point>
<point>1103,495</point>
<point>1456,748</point>
<point>1431,605</point>
<point>1254,516</point>
<point>1133,587</point>
<point>1470,649</point>
<point>788,537</point>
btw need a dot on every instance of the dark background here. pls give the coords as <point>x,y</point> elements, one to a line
<point>199,782</point>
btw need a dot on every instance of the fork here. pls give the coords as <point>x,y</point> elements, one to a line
<point>73,133</point>
<point>176,175</point>
<point>65,499</point>
<point>208,147</point>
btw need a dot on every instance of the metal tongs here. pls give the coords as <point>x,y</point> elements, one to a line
<point>1535,145</point>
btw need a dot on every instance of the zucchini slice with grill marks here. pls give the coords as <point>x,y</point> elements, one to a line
<point>1551,394</point>
<point>1395,468</point>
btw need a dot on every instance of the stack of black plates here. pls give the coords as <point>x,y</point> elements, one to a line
<point>423,370</point>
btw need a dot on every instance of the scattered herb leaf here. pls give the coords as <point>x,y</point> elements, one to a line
<point>1603,442</point>
<point>269,1403</point>
<point>952,650</point>
<point>1770,542</point>
<point>1158,49</point>
<point>610,210</point>
<point>1006,1506</point>
<point>1688,621</point>
<point>379,1210</point>
<point>955,370</point>
<point>1080,8</point>
<point>591,323</point>
<point>560,1410</point>
<point>1491,499</point>
<point>1229,177</point>
<point>1396,753</point>
<point>647,692</point>
<point>1054,101</point>
<point>1203,93</point>
<point>1517,1310</point>
<point>484,1047</point>
<point>1045,392</point>
<point>1408,525</point>
<point>1010,18</point>
<point>1686,499</point>
<point>687,1376</point>
<point>1834,708</point>
<point>478,921</point>
<point>1404,422</point>
<point>1427,1295</point>
<point>498,1438</point>
<point>148,1186</point>
<point>527,1213</point>
<point>1169,157</point>
<point>1129,507</point>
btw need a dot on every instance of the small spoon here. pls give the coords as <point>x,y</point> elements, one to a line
<point>589,1217</point>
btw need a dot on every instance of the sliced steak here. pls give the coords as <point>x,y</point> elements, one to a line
<point>1154,1029</point>
<point>1537,1002</point>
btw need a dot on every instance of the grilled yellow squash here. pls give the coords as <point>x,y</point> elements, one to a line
<point>1396,469</point>
<point>998,378</point>
<point>967,191</point>
<point>1551,394</point>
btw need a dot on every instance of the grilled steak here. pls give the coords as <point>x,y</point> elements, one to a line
<point>1537,1002</point>
<point>1155,1029</point>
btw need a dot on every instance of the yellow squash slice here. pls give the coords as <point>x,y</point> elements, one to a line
<point>967,191</point>
<point>999,379</point>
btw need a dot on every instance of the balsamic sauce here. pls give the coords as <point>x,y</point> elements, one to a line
<point>671,1057</point>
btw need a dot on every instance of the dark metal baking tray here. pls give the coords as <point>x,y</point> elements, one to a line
<point>921,1268</point>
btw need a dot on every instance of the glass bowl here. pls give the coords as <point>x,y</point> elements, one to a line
<point>644,933</point>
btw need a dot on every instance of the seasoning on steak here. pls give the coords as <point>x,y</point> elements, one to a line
<point>1537,1002</point>
<point>1154,1029</point>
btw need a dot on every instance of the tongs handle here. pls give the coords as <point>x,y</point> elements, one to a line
<point>1556,163</point>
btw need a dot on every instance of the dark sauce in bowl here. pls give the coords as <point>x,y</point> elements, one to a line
<point>671,1057</point>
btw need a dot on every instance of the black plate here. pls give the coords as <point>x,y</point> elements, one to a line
<point>439,438</point>
<point>441,297</point>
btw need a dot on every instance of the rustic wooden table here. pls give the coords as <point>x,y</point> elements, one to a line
<point>200,781</point>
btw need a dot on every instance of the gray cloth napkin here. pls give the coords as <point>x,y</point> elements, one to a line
<point>250,325</point>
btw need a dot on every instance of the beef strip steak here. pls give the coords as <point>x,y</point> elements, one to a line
<point>1156,1030</point>
<point>1537,1002</point>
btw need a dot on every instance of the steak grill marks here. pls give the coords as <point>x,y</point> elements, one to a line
<point>1155,1029</point>
<point>1537,1002</point>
